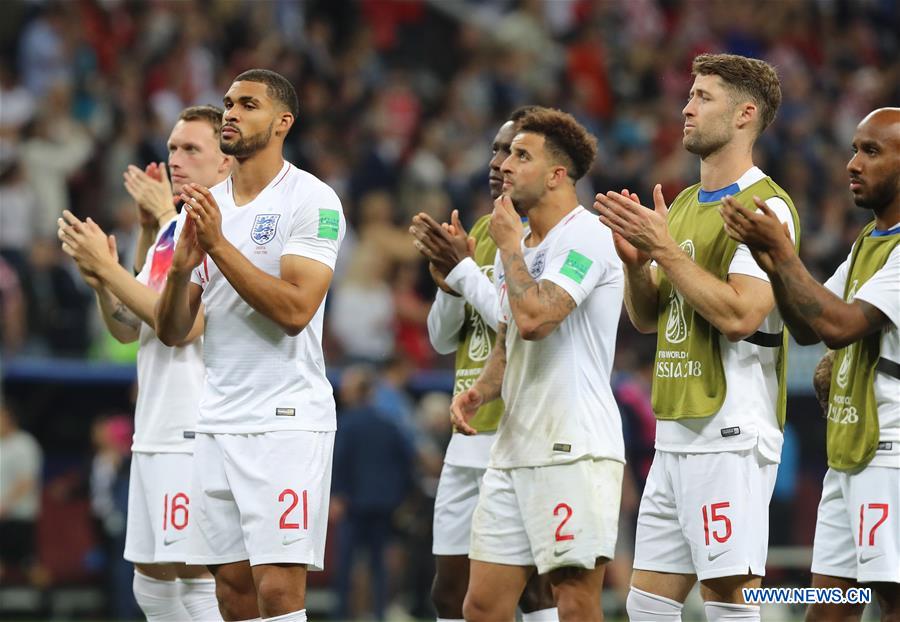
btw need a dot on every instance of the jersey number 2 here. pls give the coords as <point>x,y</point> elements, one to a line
<point>567,510</point>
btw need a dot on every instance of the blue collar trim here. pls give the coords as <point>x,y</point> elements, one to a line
<point>705,196</point>
<point>878,234</point>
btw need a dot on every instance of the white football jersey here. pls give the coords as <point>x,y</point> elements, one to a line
<point>170,380</point>
<point>259,379</point>
<point>559,404</point>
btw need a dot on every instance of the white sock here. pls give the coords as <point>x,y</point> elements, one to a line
<point>541,615</point>
<point>199,598</point>
<point>294,616</point>
<point>646,607</point>
<point>725,612</point>
<point>158,599</point>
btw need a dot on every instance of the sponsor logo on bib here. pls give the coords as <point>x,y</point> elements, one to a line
<point>264,226</point>
<point>676,325</point>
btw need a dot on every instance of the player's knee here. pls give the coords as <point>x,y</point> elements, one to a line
<point>236,597</point>
<point>478,608</point>
<point>646,607</point>
<point>277,594</point>
<point>447,595</point>
<point>578,604</point>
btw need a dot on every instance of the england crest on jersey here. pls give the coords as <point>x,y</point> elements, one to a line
<point>264,228</point>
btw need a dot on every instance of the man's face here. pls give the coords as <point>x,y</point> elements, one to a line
<point>525,171</point>
<point>194,155</point>
<point>250,116</point>
<point>708,116</point>
<point>875,166</point>
<point>499,152</point>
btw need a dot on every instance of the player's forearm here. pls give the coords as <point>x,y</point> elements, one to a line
<point>641,297</point>
<point>144,242</point>
<point>122,324</point>
<point>526,296</point>
<point>477,289</point>
<point>811,311</point>
<point>282,302</point>
<point>173,316</point>
<point>714,299</point>
<point>139,298</point>
<point>445,319</point>
<point>490,382</point>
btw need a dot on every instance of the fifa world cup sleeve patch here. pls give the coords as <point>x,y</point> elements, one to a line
<point>576,266</point>
<point>329,223</point>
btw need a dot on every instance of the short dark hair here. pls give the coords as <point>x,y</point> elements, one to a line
<point>749,78</point>
<point>209,114</point>
<point>564,137</point>
<point>278,87</point>
<point>521,111</point>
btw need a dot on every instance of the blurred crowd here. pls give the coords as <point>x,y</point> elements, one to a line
<point>399,102</point>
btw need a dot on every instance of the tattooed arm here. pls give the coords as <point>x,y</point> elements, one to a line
<point>812,312</point>
<point>538,307</point>
<point>486,388</point>
<point>122,323</point>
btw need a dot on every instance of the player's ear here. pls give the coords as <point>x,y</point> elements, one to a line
<point>748,113</point>
<point>284,123</point>
<point>225,164</point>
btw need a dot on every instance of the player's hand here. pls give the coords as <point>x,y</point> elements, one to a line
<point>152,192</point>
<point>463,408</point>
<point>767,237</point>
<point>188,253</point>
<point>87,244</point>
<point>626,251</point>
<point>438,279</point>
<point>644,229</point>
<point>204,211</point>
<point>444,246</point>
<point>822,380</point>
<point>506,225</point>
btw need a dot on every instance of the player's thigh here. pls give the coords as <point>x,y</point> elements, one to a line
<point>577,591</point>
<point>570,512</point>
<point>281,483</point>
<point>494,590</point>
<point>660,545</point>
<point>671,585</point>
<point>454,504</point>
<point>888,596</point>
<point>498,529</point>
<point>723,508</point>
<point>831,612</point>
<point>538,594</point>
<point>834,544</point>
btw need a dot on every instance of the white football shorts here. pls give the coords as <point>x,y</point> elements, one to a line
<point>555,516</point>
<point>262,497</point>
<point>858,525</point>
<point>705,514</point>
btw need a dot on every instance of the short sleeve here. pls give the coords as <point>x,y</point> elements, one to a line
<point>883,289</point>
<point>743,262</point>
<point>582,259</point>
<point>836,283</point>
<point>318,227</point>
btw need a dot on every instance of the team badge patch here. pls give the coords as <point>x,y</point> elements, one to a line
<point>537,268</point>
<point>264,226</point>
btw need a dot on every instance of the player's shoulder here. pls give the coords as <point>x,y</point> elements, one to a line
<point>584,224</point>
<point>307,189</point>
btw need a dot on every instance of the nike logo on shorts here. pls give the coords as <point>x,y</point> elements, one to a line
<point>865,560</point>
<point>167,541</point>
<point>288,540</point>
<point>712,558</point>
